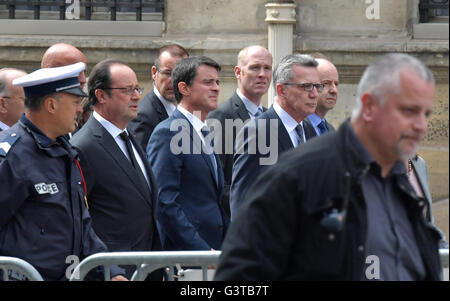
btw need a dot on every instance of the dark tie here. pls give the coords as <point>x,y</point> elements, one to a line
<point>322,127</point>
<point>299,131</point>
<point>133,160</point>
<point>209,148</point>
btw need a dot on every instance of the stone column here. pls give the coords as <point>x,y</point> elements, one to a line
<point>280,16</point>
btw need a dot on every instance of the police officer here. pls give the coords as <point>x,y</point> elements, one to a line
<point>43,209</point>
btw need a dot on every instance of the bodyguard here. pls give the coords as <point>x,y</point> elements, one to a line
<point>43,214</point>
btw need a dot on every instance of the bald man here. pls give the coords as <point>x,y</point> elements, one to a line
<point>327,98</point>
<point>254,74</point>
<point>12,98</point>
<point>62,54</point>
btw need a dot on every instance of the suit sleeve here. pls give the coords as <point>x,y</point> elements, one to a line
<point>167,167</point>
<point>246,168</point>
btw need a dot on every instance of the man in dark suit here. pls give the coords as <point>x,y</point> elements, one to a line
<point>121,189</point>
<point>254,73</point>
<point>297,84</point>
<point>188,172</point>
<point>12,98</point>
<point>327,99</point>
<point>160,103</point>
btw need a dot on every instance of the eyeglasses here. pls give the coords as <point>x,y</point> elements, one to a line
<point>166,73</point>
<point>307,86</point>
<point>128,90</point>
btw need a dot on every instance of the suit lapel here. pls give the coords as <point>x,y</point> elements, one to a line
<point>284,140</point>
<point>159,107</point>
<point>240,108</point>
<point>110,146</point>
<point>197,143</point>
<point>310,131</point>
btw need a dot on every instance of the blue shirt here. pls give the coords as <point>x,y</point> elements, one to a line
<point>315,120</point>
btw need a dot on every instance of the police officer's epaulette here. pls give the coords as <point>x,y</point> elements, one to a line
<point>7,142</point>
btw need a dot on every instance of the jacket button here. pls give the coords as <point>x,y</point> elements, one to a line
<point>331,236</point>
<point>360,249</point>
<point>42,231</point>
<point>421,204</point>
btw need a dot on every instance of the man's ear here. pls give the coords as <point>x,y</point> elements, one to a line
<point>281,89</point>
<point>3,105</point>
<point>370,105</point>
<point>237,72</point>
<point>50,104</point>
<point>100,95</point>
<point>154,70</point>
<point>184,89</point>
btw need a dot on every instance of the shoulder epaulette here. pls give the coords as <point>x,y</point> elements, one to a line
<point>7,142</point>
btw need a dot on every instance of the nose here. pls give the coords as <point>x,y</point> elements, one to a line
<point>420,124</point>
<point>314,93</point>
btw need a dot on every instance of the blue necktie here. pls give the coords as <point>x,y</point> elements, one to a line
<point>210,149</point>
<point>299,131</point>
<point>258,113</point>
<point>322,127</point>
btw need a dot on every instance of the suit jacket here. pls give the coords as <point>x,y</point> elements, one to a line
<point>151,112</point>
<point>231,109</point>
<point>310,131</point>
<point>247,164</point>
<point>189,216</point>
<point>123,209</point>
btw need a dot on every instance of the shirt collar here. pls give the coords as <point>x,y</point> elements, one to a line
<point>3,126</point>
<point>194,120</point>
<point>288,122</point>
<point>249,105</point>
<point>170,107</point>
<point>315,119</point>
<point>109,127</point>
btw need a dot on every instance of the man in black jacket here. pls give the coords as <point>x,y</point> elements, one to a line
<point>341,207</point>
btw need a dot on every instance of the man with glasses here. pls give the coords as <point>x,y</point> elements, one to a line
<point>160,103</point>
<point>297,84</point>
<point>12,98</point>
<point>121,189</point>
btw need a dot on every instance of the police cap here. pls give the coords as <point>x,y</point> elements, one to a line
<point>50,80</point>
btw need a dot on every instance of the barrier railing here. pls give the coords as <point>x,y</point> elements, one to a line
<point>147,262</point>
<point>14,264</point>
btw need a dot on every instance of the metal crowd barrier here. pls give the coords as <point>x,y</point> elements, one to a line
<point>147,262</point>
<point>24,269</point>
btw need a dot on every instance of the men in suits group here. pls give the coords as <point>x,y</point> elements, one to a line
<point>297,84</point>
<point>254,73</point>
<point>121,188</point>
<point>329,77</point>
<point>160,103</point>
<point>12,98</point>
<point>188,172</point>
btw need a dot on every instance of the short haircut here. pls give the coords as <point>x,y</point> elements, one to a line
<point>100,77</point>
<point>4,90</point>
<point>382,77</point>
<point>175,50</point>
<point>34,103</point>
<point>284,73</point>
<point>242,58</point>
<point>186,70</point>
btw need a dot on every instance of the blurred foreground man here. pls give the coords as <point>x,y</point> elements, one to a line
<point>43,214</point>
<point>341,207</point>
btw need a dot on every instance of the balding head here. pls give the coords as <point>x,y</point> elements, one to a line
<point>63,54</point>
<point>330,78</point>
<point>12,98</point>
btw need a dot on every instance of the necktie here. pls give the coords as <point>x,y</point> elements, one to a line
<point>130,151</point>
<point>133,160</point>
<point>209,148</point>
<point>258,113</point>
<point>299,131</point>
<point>322,127</point>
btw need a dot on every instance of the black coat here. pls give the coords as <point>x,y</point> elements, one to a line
<point>277,234</point>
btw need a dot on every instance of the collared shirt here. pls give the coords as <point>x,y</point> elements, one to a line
<point>169,106</point>
<point>390,235</point>
<point>3,126</point>
<point>289,123</point>
<point>315,120</point>
<point>114,131</point>
<point>252,109</point>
